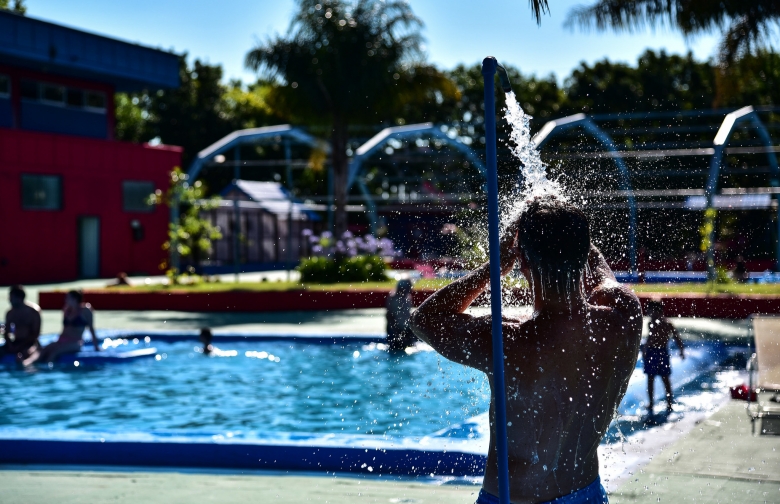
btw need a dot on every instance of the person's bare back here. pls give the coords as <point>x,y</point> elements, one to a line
<point>24,321</point>
<point>566,368</point>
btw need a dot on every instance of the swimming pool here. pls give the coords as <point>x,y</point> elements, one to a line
<point>286,392</point>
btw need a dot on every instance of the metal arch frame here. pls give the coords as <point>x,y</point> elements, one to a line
<point>233,141</point>
<point>369,148</point>
<point>566,123</point>
<point>246,136</point>
<point>721,140</point>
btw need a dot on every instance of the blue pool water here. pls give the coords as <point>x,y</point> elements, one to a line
<point>260,389</point>
<point>253,388</point>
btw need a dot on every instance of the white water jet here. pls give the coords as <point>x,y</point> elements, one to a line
<point>533,169</point>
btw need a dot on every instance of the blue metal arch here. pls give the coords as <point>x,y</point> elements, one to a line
<point>248,136</point>
<point>730,122</point>
<point>233,141</point>
<point>553,127</point>
<point>376,142</point>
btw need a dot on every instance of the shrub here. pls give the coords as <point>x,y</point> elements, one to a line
<point>350,259</point>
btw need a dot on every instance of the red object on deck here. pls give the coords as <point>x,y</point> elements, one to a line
<point>743,393</point>
<point>40,246</point>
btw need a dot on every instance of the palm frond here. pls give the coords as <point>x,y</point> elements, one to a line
<point>539,7</point>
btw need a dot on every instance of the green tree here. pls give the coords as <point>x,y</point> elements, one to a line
<point>17,6</point>
<point>658,82</point>
<point>752,80</point>
<point>345,63</point>
<point>745,24</point>
<point>192,235</point>
<point>196,114</point>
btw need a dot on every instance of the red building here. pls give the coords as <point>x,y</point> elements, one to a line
<point>72,199</point>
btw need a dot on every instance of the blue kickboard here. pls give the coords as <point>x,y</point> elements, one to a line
<point>90,356</point>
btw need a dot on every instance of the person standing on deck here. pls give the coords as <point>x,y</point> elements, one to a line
<point>567,365</point>
<point>655,352</point>
<point>23,320</point>
<point>399,309</point>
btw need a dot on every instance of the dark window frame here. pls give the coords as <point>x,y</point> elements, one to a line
<point>87,95</point>
<point>26,204</point>
<point>132,208</point>
<point>6,78</point>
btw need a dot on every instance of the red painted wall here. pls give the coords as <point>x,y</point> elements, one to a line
<point>38,246</point>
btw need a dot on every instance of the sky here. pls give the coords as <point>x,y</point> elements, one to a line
<point>456,31</point>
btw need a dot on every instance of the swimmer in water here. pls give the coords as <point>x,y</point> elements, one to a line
<point>566,366</point>
<point>655,352</point>
<point>205,338</point>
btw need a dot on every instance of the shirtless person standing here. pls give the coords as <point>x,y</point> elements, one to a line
<point>655,352</point>
<point>24,321</point>
<point>567,365</point>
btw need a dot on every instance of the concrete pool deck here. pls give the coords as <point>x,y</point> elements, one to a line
<point>717,461</point>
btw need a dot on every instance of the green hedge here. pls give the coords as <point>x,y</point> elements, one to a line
<point>361,268</point>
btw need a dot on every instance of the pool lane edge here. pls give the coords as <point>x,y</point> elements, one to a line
<point>376,461</point>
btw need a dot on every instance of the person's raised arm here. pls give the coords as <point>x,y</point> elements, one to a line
<point>441,322</point>
<point>603,289</point>
<point>597,272</point>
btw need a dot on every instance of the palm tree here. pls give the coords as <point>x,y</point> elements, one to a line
<point>344,63</point>
<point>745,24</point>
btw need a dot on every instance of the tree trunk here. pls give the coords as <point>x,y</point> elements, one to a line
<point>340,174</point>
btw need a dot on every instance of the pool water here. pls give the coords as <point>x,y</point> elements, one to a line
<point>249,388</point>
<point>260,389</point>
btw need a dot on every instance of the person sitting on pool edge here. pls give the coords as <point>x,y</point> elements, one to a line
<point>567,365</point>
<point>399,309</point>
<point>655,352</point>
<point>76,317</point>
<point>23,320</point>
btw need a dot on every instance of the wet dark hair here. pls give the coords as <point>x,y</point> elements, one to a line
<point>77,295</point>
<point>17,291</point>
<point>554,237</point>
<point>205,335</point>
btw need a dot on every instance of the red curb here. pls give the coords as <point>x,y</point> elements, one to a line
<point>722,306</point>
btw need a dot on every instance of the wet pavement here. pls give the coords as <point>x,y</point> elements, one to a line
<point>717,461</point>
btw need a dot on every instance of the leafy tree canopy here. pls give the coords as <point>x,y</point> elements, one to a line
<point>16,6</point>
<point>201,111</point>
<point>744,24</point>
<point>344,63</point>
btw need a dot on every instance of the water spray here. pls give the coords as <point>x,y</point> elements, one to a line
<point>489,68</point>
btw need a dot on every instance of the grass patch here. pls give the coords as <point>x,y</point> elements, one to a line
<point>208,287</point>
<point>709,288</point>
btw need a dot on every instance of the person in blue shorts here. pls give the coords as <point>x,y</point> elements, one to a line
<point>567,364</point>
<point>655,352</point>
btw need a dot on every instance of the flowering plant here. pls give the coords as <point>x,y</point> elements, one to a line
<point>349,245</point>
<point>348,259</point>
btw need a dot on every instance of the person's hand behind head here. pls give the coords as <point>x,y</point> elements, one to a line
<point>509,250</point>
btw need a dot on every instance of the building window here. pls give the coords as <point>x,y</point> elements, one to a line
<point>75,98</point>
<point>41,192</point>
<point>5,86</point>
<point>135,195</point>
<point>30,90</point>
<point>52,94</point>
<point>96,101</point>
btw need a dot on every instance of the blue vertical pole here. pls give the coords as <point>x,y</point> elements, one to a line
<point>489,66</point>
